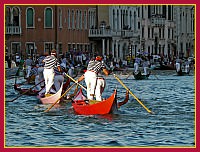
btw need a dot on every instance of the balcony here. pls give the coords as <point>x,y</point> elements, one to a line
<point>13,30</point>
<point>157,20</point>
<point>102,33</point>
<point>127,33</point>
<point>99,33</point>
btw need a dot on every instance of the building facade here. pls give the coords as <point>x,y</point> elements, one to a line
<point>36,29</point>
<point>119,30</point>
<point>165,30</point>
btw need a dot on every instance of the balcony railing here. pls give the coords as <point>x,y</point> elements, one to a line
<point>13,30</point>
<point>111,33</point>
<point>158,20</point>
<point>99,33</point>
<point>127,33</point>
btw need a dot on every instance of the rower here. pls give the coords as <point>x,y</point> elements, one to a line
<point>93,68</point>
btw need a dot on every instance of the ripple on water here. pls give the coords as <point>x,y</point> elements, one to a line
<point>172,123</point>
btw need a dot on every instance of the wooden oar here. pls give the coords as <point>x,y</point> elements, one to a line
<point>128,76</point>
<point>25,91</point>
<point>75,81</point>
<point>132,93</point>
<point>59,98</point>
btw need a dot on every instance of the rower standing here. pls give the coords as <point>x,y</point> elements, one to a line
<point>101,84</point>
<point>58,78</point>
<point>145,66</point>
<point>93,68</point>
<point>51,62</point>
<point>178,65</point>
<point>137,63</point>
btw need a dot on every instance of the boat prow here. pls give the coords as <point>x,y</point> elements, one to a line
<point>93,107</point>
<point>51,99</point>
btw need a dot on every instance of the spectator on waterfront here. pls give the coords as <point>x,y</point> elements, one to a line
<point>17,59</point>
<point>120,63</point>
<point>93,68</point>
<point>84,58</point>
<point>8,61</point>
<point>50,62</point>
<point>28,65</point>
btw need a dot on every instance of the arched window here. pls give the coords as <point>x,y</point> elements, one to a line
<point>8,16</point>
<point>81,19</point>
<point>48,18</point>
<point>29,17</point>
<point>15,18</point>
<point>114,19</point>
<point>60,18</point>
<point>85,19</point>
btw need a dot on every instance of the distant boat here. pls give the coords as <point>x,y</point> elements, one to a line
<point>25,91</point>
<point>165,67</point>
<point>181,73</point>
<point>140,76</point>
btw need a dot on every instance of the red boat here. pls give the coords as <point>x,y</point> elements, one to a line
<point>82,106</point>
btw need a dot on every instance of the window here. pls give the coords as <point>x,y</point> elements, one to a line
<point>30,48</point>
<point>8,16</point>
<point>142,32</point>
<point>134,22</point>
<point>85,19</point>
<point>60,48</point>
<point>130,20</point>
<point>77,19</point>
<point>16,16</point>
<point>29,17</point>
<point>60,18</point>
<point>73,20</point>
<point>81,20</point>
<point>117,19</point>
<point>48,18</point>
<point>138,25</point>
<point>68,19</point>
<point>113,20</point>
<point>168,33</point>
<point>159,32</point>
<point>152,32</point>
<point>48,46</point>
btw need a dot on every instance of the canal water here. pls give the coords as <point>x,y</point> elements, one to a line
<point>171,98</point>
